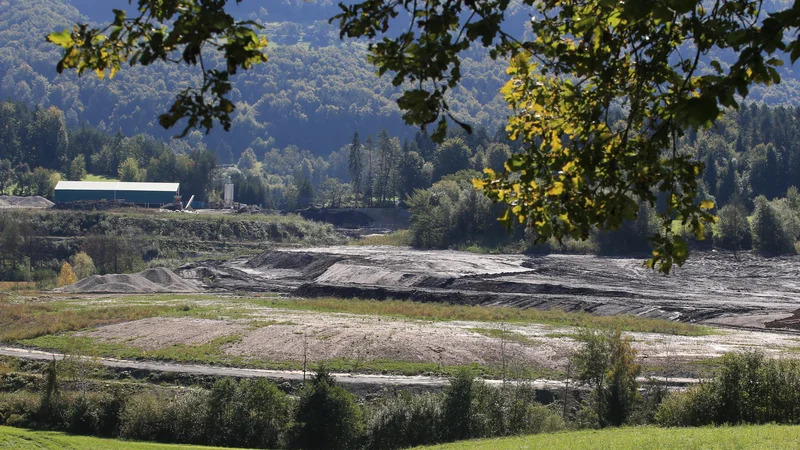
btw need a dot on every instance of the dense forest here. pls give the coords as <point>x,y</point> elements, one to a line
<point>315,90</point>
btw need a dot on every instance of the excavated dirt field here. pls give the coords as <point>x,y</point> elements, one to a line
<point>272,334</point>
<point>711,288</point>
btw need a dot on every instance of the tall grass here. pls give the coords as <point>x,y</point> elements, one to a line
<point>398,238</point>
<point>446,312</point>
<point>29,320</point>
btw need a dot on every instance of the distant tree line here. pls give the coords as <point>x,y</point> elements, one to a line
<point>752,159</point>
<point>37,149</point>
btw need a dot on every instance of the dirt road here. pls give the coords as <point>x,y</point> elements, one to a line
<point>350,380</point>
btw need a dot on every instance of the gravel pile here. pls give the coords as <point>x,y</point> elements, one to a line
<point>35,201</point>
<point>157,280</point>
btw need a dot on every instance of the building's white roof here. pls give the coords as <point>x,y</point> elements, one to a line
<point>116,186</point>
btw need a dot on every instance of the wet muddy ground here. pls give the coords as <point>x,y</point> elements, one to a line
<point>712,288</point>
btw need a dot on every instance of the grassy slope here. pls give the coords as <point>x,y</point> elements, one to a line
<point>648,438</point>
<point>90,177</point>
<point>17,438</point>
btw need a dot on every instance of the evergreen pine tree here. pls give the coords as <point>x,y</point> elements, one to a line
<point>710,174</point>
<point>356,165</point>
<point>727,185</point>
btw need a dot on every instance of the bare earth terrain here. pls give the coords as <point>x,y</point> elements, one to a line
<point>713,289</point>
<point>710,288</point>
<point>279,335</point>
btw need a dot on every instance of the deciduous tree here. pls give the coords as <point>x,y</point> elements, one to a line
<point>66,276</point>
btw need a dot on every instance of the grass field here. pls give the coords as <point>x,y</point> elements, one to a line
<point>90,177</point>
<point>647,438</point>
<point>17,438</point>
<point>396,238</point>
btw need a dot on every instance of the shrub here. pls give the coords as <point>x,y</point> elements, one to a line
<point>692,408</point>
<point>19,409</point>
<point>188,413</point>
<point>145,418</point>
<point>81,416</point>
<point>45,278</point>
<point>406,421</point>
<point>459,421</point>
<point>327,416</point>
<point>250,413</point>
<point>748,388</point>
<point>513,410</point>
<point>607,362</point>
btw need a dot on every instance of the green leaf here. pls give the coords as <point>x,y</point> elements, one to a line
<point>701,111</point>
<point>62,38</point>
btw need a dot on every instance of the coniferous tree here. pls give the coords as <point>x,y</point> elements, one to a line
<point>727,185</point>
<point>384,166</point>
<point>356,165</point>
<point>409,174</point>
<point>369,180</point>
<point>6,175</point>
<point>710,174</point>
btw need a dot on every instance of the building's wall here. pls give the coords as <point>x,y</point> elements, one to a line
<point>71,196</point>
<point>151,198</point>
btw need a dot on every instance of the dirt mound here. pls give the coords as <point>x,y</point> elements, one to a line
<point>157,280</point>
<point>709,287</point>
<point>792,322</point>
<point>10,201</point>
<point>308,266</point>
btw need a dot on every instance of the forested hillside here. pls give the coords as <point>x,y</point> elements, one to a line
<point>314,92</point>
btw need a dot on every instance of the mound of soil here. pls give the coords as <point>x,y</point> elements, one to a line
<point>156,280</point>
<point>709,287</point>
<point>36,201</point>
<point>792,322</point>
<point>308,266</point>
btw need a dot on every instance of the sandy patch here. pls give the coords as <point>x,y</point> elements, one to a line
<point>161,332</point>
<point>285,335</point>
<point>327,337</point>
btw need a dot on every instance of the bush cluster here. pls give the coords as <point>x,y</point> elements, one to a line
<point>748,389</point>
<point>256,414</point>
<point>467,409</point>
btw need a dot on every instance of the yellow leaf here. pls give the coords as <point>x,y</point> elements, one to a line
<point>557,189</point>
<point>100,73</point>
<point>706,204</point>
